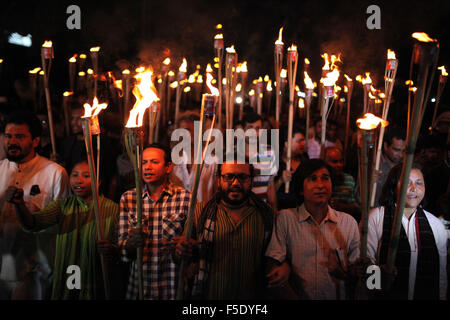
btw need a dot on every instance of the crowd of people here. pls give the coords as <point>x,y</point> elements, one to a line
<point>250,239</point>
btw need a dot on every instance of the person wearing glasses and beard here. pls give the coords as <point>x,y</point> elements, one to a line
<point>229,237</point>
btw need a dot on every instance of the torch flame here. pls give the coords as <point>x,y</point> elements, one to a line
<point>219,26</point>
<point>35,70</point>
<point>174,85</point>
<point>126,71</point>
<point>443,71</point>
<point>409,82</point>
<point>283,73</point>
<point>244,67</point>
<point>348,78</point>
<point>208,68</point>
<point>301,103</point>
<point>326,66</point>
<point>67,93</point>
<point>422,37</point>
<point>280,36</point>
<point>269,86</point>
<point>218,36</point>
<point>73,59</point>
<point>307,61</point>
<point>183,67</point>
<point>367,79</point>
<point>231,49</point>
<point>214,90</point>
<point>145,94</point>
<point>331,78</point>
<point>90,112</point>
<point>370,122</point>
<point>47,44</point>
<point>95,49</point>
<point>266,78</point>
<point>308,82</point>
<point>293,47</point>
<point>81,74</point>
<point>251,92</point>
<point>166,61</point>
<point>82,56</point>
<point>391,55</point>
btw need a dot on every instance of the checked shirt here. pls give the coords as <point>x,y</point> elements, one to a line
<point>161,220</point>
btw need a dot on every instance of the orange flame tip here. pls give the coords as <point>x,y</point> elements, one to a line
<point>370,122</point>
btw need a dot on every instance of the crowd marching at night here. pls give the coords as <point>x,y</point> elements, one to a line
<point>296,219</point>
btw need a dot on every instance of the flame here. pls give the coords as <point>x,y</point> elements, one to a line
<point>269,86</point>
<point>335,59</point>
<point>47,44</point>
<point>214,90</point>
<point>391,55</point>
<point>187,89</point>
<point>301,103</point>
<point>82,56</point>
<point>366,80</point>
<point>370,122</point>
<point>293,47</point>
<point>244,66</point>
<point>67,93</point>
<point>166,61</point>
<point>283,73</point>
<point>251,92</point>
<point>145,94</point>
<point>348,78</point>
<point>126,71</point>
<point>218,36</point>
<point>345,89</point>
<point>171,73</point>
<point>331,78</point>
<point>199,79</point>
<point>412,89</point>
<point>208,68</point>
<point>41,73</point>
<point>80,74</point>
<point>231,49</point>
<point>118,84</point>
<point>73,59</point>
<point>191,78</point>
<point>260,79</point>
<point>90,71</point>
<point>183,67</point>
<point>307,61</point>
<point>308,82</point>
<point>280,36</point>
<point>35,70</point>
<point>382,95</point>
<point>326,66</point>
<point>1,60</point>
<point>219,26</point>
<point>443,71</point>
<point>95,49</point>
<point>238,87</point>
<point>409,82</point>
<point>422,37</point>
<point>174,85</point>
<point>90,112</point>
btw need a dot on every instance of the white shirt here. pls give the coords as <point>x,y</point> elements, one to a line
<point>315,251</point>
<point>375,233</point>
<point>182,177</point>
<point>51,178</point>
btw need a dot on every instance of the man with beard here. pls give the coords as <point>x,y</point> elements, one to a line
<point>24,265</point>
<point>230,234</point>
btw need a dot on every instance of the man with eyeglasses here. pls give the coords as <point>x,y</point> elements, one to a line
<point>229,237</point>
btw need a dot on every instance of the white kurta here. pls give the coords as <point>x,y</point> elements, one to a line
<point>375,233</point>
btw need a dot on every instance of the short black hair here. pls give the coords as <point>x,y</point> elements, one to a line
<point>167,153</point>
<point>228,155</point>
<point>251,117</point>
<point>25,116</point>
<point>394,132</point>
<point>305,170</point>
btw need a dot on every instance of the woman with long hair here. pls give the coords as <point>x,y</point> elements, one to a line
<point>420,267</point>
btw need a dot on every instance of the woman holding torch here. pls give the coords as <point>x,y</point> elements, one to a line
<point>76,243</point>
<point>420,268</point>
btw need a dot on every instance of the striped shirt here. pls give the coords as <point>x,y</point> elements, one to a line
<point>236,270</point>
<point>315,251</point>
<point>266,167</point>
<point>344,189</point>
<point>161,220</point>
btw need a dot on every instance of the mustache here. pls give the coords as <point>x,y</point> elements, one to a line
<point>12,147</point>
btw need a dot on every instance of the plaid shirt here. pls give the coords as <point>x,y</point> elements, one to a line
<point>162,219</point>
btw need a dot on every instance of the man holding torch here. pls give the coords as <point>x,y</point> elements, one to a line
<point>164,210</point>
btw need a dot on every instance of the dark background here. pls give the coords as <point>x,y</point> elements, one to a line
<point>133,32</point>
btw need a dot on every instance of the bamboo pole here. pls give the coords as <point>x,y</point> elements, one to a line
<point>218,48</point>
<point>278,59</point>
<point>95,198</point>
<point>441,86</point>
<point>425,54</point>
<point>292,74</point>
<point>133,144</point>
<point>47,55</point>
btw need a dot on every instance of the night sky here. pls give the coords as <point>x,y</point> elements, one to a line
<point>135,32</point>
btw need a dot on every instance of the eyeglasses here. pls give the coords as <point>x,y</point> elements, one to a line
<point>229,177</point>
